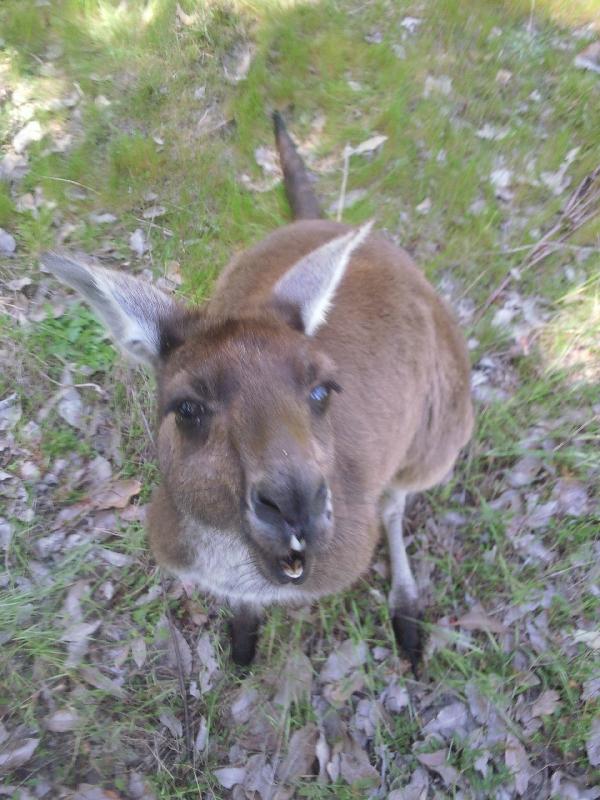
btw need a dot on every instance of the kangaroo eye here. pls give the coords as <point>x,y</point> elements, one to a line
<point>319,398</point>
<point>189,412</point>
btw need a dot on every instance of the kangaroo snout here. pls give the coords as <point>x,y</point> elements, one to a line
<point>290,519</point>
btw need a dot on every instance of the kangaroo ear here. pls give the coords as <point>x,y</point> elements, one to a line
<point>309,286</point>
<point>141,318</point>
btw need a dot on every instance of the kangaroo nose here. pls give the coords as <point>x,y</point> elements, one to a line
<point>293,501</point>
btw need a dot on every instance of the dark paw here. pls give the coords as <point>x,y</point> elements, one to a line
<point>409,637</point>
<point>243,631</point>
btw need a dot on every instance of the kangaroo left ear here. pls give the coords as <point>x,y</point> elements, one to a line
<point>310,285</point>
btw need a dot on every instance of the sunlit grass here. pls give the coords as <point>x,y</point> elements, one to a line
<point>570,343</point>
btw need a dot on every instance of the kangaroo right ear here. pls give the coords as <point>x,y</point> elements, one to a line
<point>141,318</point>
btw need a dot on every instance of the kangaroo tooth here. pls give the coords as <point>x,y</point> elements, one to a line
<point>296,544</point>
<point>294,570</point>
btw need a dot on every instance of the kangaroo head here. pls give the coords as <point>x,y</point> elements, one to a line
<point>245,441</point>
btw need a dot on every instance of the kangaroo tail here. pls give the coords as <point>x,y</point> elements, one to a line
<point>302,199</point>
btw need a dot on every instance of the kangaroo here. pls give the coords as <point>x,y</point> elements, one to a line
<point>323,382</point>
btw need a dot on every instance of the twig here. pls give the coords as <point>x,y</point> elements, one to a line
<point>187,728</point>
<point>75,183</point>
<point>340,209</point>
<point>581,206</point>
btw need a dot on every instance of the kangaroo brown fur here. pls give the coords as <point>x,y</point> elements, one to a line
<point>289,413</point>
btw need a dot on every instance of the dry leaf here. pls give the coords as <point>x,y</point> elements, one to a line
<point>201,739</point>
<point>450,720</point>
<point>368,146</point>
<point>178,652</point>
<point>115,494</point>
<point>546,704</point>
<point>301,754</point>
<point>95,678</point>
<point>296,683</point>
<point>10,412</point>
<point>70,406</point>
<point>355,766</point>
<point>590,638</point>
<point>16,754</point>
<point>438,762</point>
<point>138,242</point>
<point>230,776</point>
<point>208,662</point>
<point>342,661</point>
<point>62,720</point>
<point>172,724</point>
<point>592,744</point>
<point>477,620</point>
<point>139,652</point>
<point>518,764</point>
<point>416,789</point>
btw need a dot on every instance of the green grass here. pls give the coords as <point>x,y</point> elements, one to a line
<point>138,128</point>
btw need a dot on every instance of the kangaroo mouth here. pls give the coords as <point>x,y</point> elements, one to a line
<point>293,564</point>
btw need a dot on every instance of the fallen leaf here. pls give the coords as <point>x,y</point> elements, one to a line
<point>14,755</point>
<point>441,85</point>
<point>230,776</point>
<point>32,132</point>
<point>138,242</point>
<point>80,631</point>
<point>139,788</point>
<point>244,704</point>
<point>139,652</point>
<point>524,472</point>
<point>173,725</point>
<point>517,762</point>
<point>395,697</point>
<point>8,244</point>
<point>102,219</point>
<point>589,58</point>
<point>416,789</point>
<point>438,762</point>
<point>115,494</point>
<point>368,146</point>
<point>477,620</point>
<point>267,160</point>
<point>178,652</point>
<point>238,64</point>
<point>410,24</point>
<point>259,777</point>
<point>10,412</point>
<point>591,689</point>
<point>571,496</point>
<point>450,720</point>
<point>201,739</point>
<point>296,681</point>
<point>114,558</point>
<point>348,656</point>
<point>546,704</point>
<point>590,638</point>
<point>355,766</point>
<point>95,678</point>
<point>62,720</point>
<point>592,744</point>
<point>153,212</point>
<point>301,754</point>
<point>70,406</point>
<point>208,662</point>
<point>424,207</point>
